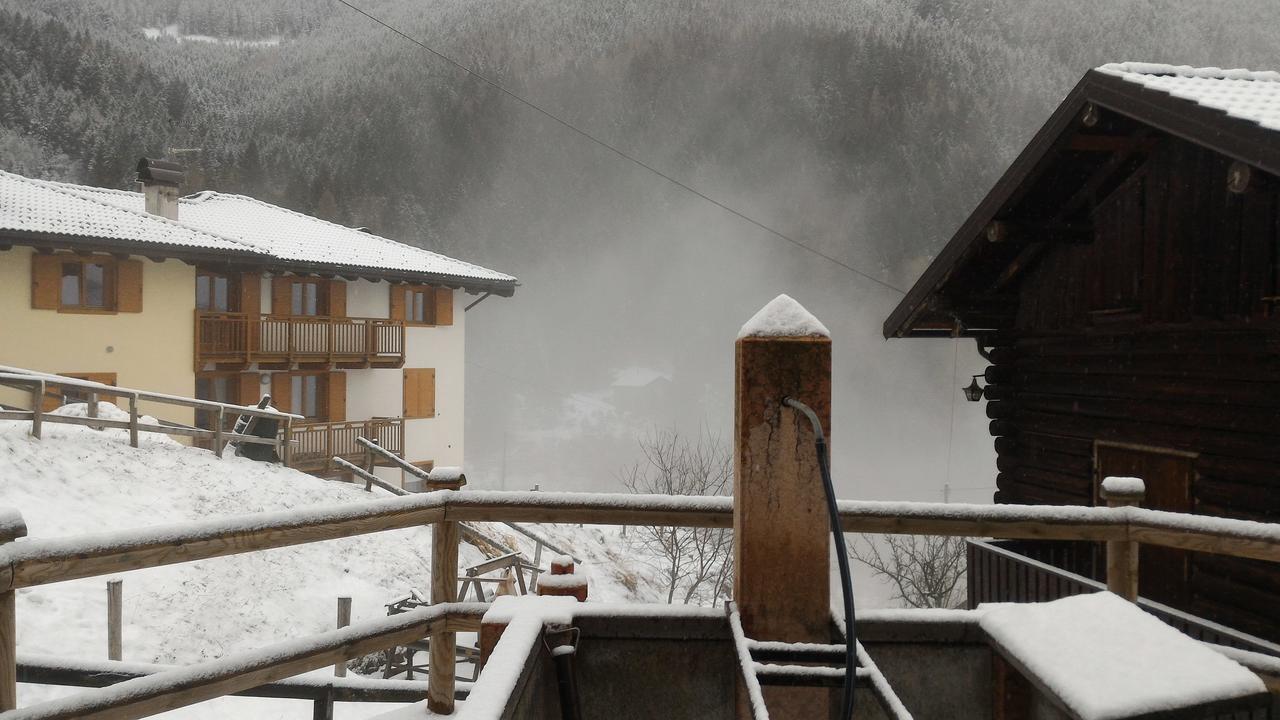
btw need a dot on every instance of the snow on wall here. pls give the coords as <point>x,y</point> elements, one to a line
<point>1105,658</point>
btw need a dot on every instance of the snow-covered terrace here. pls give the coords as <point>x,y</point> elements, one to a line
<point>688,662</point>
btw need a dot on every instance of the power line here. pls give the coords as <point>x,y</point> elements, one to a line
<point>621,153</point>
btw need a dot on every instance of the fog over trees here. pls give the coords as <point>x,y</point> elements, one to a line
<point>866,130</point>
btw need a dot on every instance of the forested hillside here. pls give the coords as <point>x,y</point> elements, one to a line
<point>865,130</point>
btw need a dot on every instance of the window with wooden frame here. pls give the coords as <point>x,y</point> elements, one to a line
<point>237,388</point>
<point>217,292</point>
<point>55,396</point>
<point>422,304</point>
<point>85,283</point>
<point>419,392</point>
<point>317,396</point>
<point>308,297</point>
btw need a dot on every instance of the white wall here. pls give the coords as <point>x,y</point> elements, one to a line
<point>380,392</point>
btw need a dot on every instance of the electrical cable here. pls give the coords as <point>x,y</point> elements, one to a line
<point>842,556</point>
<point>618,151</point>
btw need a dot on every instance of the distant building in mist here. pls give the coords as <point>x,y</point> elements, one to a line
<point>224,297</point>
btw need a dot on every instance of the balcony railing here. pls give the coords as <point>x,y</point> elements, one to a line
<point>316,444</point>
<point>1020,571</point>
<point>243,338</point>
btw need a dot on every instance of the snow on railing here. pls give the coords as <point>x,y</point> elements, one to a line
<point>31,562</point>
<point>38,383</point>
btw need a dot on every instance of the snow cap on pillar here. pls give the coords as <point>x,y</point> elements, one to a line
<point>783,317</point>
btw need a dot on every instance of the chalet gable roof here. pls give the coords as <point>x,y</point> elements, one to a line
<point>228,227</point>
<point>1233,112</point>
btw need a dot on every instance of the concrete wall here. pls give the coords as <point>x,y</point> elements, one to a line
<point>150,350</point>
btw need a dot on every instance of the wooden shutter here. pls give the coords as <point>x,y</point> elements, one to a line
<point>129,286</point>
<point>46,281</point>
<point>250,293</point>
<point>281,296</point>
<point>444,306</point>
<point>397,302</point>
<point>337,298</point>
<point>281,389</point>
<point>337,401</point>
<point>249,388</point>
<point>420,393</point>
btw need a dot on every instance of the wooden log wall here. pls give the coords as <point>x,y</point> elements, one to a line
<point>1164,332</point>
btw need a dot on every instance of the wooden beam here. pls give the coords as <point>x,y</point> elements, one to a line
<point>442,671</point>
<point>115,619</point>
<point>185,686</point>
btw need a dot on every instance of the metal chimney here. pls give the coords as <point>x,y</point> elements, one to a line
<point>160,180</point>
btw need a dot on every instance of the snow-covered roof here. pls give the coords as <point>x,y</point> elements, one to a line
<point>218,221</point>
<point>37,206</point>
<point>1104,658</point>
<point>1244,94</point>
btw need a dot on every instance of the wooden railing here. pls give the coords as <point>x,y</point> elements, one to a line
<point>317,444</point>
<point>999,572</point>
<point>39,562</point>
<point>246,338</point>
<point>37,385</point>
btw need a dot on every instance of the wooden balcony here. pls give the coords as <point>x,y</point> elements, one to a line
<point>316,444</point>
<point>281,342</point>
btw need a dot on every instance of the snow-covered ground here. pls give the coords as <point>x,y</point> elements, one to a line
<point>77,480</point>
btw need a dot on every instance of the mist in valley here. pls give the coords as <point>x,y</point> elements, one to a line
<point>865,131</point>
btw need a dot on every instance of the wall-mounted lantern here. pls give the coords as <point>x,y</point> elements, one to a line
<point>973,393</point>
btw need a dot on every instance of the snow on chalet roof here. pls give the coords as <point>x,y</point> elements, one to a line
<point>39,206</point>
<point>1244,94</point>
<point>217,221</point>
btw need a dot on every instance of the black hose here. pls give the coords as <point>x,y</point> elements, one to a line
<point>842,557</point>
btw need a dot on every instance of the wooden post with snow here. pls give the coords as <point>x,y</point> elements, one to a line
<point>441,669</point>
<point>1122,555</point>
<point>780,525</point>
<point>12,527</point>
<point>115,619</point>
<point>344,619</point>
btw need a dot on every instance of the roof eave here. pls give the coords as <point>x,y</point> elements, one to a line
<point>1032,158</point>
<point>1233,137</point>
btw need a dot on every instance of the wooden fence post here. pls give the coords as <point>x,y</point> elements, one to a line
<point>780,524</point>
<point>133,420</point>
<point>217,431</point>
<point>1122,555</point>
<point>441,671</point>
<point>344,619</point>
<point>37,408</point>
<point>115,619</point>
<point>286,442</point>
<point>12,527</point>
<point>91,409</point>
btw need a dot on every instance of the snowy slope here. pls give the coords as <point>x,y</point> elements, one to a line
<point>77,480</point>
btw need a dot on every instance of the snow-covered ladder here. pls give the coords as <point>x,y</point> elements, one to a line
<point>804,665</point>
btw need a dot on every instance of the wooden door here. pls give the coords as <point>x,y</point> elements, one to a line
<point>1162,572</point>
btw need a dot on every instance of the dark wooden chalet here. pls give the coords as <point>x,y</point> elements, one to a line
<point>1123,278</point>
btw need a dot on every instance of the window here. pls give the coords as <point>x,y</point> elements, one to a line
<point>419,305</point>
<point>92,284</point>
<point>305,298</point>
<point>304,392</point>
<point>317,396</point>
<point>422,304</point>
<point>87,285</point>
<point>56,396</point>
<point>420,393</point>
<point>216,292</point>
